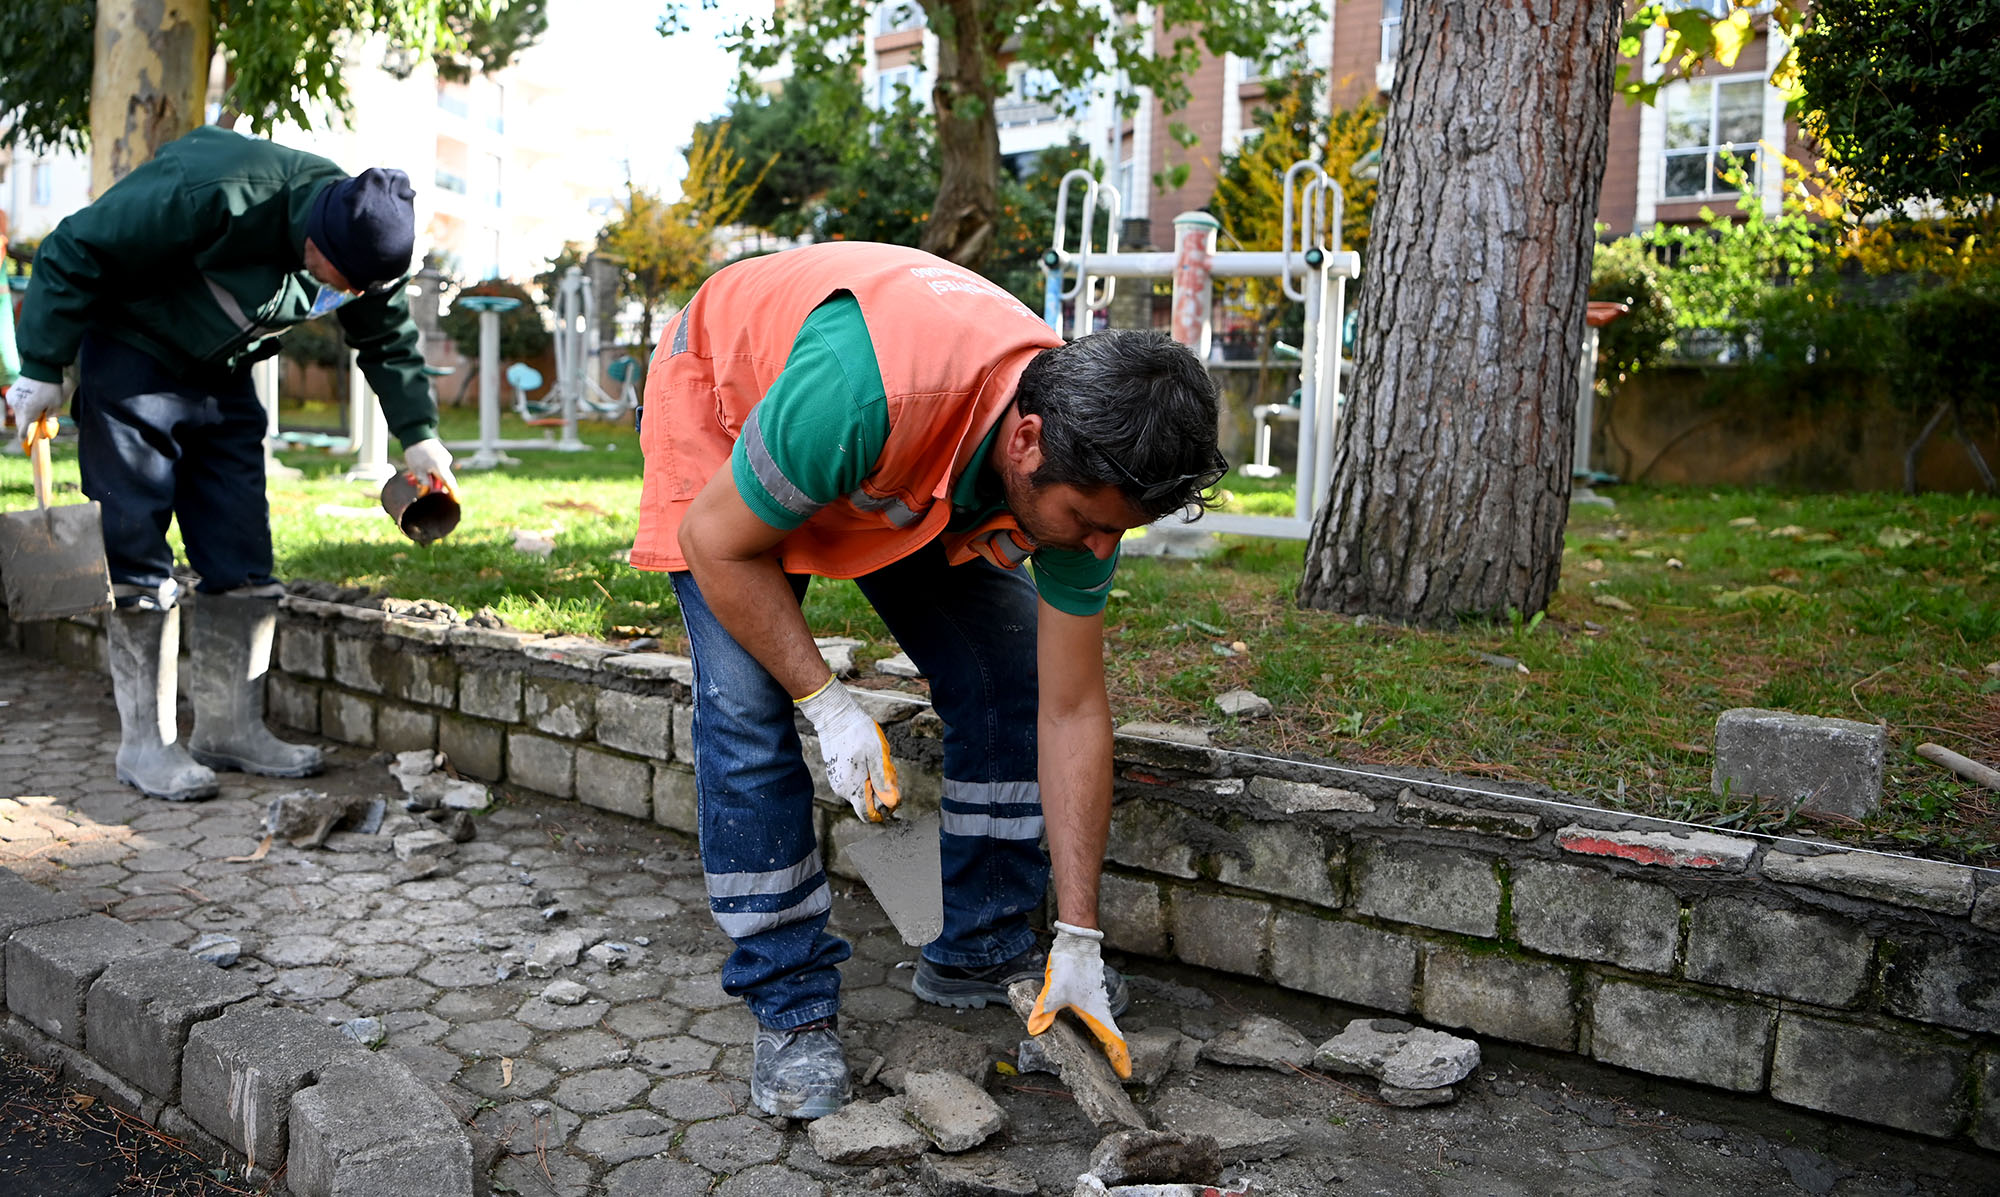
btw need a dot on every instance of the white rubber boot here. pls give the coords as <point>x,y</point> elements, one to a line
<point>143,665</point>
<point>232,653</point>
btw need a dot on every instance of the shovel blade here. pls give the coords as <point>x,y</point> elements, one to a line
<point>900,865</point>
<point>52,562</point>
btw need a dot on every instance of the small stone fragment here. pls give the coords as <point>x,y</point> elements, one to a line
<point>1030,1057</point>
<point>217,949</point>
<point>865,1132</point>
<point>459,826</point>
<point>899,665</point>
<point>368,1032</point>
<point>417,868</point>
<point>1245,704</point>
<point>1159,1051</point>
<point>953,1112</point>
<point>1241,1134</point>
<point>1399,1054</point>
<point>564,993</point>
<point>612,955</point>
<point>428,842</point>
<point>551,913</point>
<point>554,951</point>
<point>1261,1042</point>
<point>962,1177</point>
<point>1157,1157</point>
<point>1411,1099</point>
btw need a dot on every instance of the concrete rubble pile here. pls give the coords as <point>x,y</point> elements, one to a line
<point>939,1106</point>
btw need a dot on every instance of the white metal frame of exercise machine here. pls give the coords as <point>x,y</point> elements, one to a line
<point>1311,267</point>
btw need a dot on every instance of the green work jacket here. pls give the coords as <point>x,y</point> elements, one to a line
<point>197,259</point>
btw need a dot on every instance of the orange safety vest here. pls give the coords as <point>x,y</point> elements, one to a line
<point>950,345</point>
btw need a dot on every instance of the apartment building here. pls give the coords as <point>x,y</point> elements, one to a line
<point>1664,162</point>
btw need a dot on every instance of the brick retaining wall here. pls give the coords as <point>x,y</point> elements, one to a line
<point>1850,983</point>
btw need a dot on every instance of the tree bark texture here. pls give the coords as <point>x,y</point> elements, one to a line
<point>148,81</point>
<point>1451,470</point>
<point>962,223</point>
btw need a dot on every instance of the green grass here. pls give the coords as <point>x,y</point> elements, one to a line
<point>1868,607</point>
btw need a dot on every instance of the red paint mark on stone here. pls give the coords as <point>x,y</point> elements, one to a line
<point>1597,845</point>
<point>1149,778</point>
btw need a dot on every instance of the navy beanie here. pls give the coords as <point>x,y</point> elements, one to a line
<point>366,226</point>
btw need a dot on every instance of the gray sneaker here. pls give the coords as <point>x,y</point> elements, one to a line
<point>800,1073</point>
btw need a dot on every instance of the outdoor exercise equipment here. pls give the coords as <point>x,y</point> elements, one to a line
<point>1311,267</point>
<point>491,449</point>
<point>578,352</point>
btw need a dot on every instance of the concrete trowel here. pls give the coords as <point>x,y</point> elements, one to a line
<point>901,866</point>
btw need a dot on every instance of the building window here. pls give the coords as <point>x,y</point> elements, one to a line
<point>891,80</point>
<point>897,16</point>
<point>448,181</point>
<point>451,99</point>
<point>1712,127</point>
<point>1392,31</point>
<point>40,183</point>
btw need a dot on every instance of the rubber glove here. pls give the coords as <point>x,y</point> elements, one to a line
<point>1074,980</point>
<point>857,753</point>
<point>430,462</point>
<point>30,399</point>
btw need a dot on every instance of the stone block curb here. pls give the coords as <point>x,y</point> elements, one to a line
<point>1679,850</point>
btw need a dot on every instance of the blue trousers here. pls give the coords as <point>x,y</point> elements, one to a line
<point>154,447</point>
<point>971,629</point>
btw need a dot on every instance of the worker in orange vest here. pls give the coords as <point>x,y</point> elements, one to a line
<point>872,412</point>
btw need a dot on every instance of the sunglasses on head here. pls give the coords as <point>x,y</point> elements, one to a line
<point>1153,492</point>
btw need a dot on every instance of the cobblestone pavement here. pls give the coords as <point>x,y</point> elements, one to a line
<point>639,1090</point>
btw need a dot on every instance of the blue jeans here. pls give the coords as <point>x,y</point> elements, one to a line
<point>154,447</point>
<point>971,629</point>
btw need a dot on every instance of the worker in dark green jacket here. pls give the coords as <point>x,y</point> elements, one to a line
<point>163,293</point>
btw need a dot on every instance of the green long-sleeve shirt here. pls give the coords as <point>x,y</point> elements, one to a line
<point>197,259</point>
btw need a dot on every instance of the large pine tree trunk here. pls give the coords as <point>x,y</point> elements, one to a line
<point>148,81</point>
<point>962,222</point>
<point>1451,473</point>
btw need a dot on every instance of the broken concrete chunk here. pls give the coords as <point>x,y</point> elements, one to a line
<point>1159,1051</point>
<point>927,1047</point>
<point>307,817</point>
<point>1089,1186</point>
<point>838,653</point>
<point>612,955</point>
<point>459,826</point>
<point>1082,1066</point>
<point>428,842</point>
<point>558,950</point>
<point>1239,1133</point>
<point>947,1177</point>
<point>1157,1157</point>
<point>564,993</point>
<point>1261,1042</point>
<point>417,868</point>
<point>865,1132</point>
<point>1411,1099</point>
<point>1245,704</point>
<point>1030,1057</point>
<point>955,1113</point>
<point>426,786</point>
<point>899,665</point>
<point>217,949</point>
<point>1399,1054</point>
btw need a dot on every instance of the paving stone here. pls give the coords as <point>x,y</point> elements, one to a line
<point>1289,859</point>
<point>612,782</point>
<point>955,1113</point>
<point>310,984</point>
<point>677,1054</point>
<point>501,1078</point>
<point>1396,1053</point>
<point>241,1070</point>
<point>1344,961</point>
<point>1443,888</point>
<point>658,1178</point>
<point>293,951</point>
<point>1953,983</point>
<point>541,763</point>
<point>1835,765</point>
<point>393,993</point>
<point>1923,884</point>
<point>436,1066</point>
<point>1526,1001</point>
<point>340,1143</point>
<point>1157,1157</point>
<point>475,749</point>
<point>1860,1072</point>
<point>546,1016</point>
<point>865,1132</point>
<point>1688,1036</point>
<point>138,1012</point>
<point>601,1090</point>
<point>731,1144</point>
<point>51,966</point>
<point>691,1099</point>
<point>1588,914</point>
<point>1260,1041</point>
<point>383,959</point>
<point>770,1180</point>
<point>616,1138</point>
<point>575,1051</point>
<point>1240,1134</point>
<point>1818,958</point>
<point>492,1037</point>
<point>732,1024</point>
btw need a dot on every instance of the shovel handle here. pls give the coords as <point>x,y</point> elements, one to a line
<point>38,455</point>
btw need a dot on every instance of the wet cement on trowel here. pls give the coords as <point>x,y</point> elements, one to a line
<point>902,867</point>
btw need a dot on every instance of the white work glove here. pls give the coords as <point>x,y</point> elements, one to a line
<point>856,752</point>
<point>1074,980</point>
<point>30,399</point>
<point>430,462</point>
